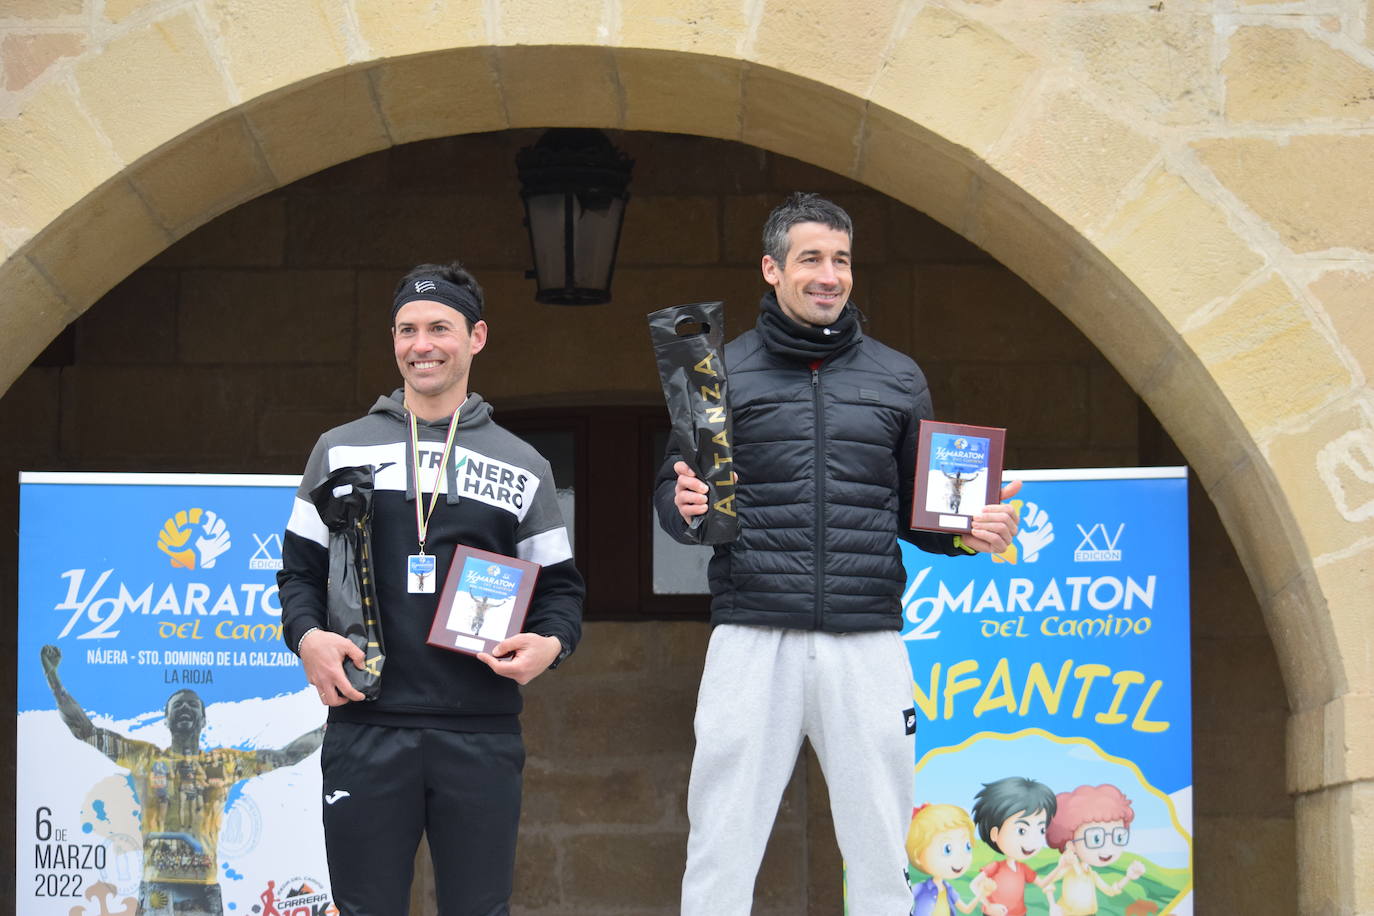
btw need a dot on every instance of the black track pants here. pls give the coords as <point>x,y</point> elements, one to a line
<point>390,785</point>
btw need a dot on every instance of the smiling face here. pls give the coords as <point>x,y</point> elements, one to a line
<point>948,855</point>
<point>434,351</point>
<point>185,714</point>
<point>1100,843</point>
<point>813,285</point>
<point>1020,836</point>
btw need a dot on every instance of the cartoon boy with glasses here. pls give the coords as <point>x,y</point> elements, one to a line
<point>1091,829</point>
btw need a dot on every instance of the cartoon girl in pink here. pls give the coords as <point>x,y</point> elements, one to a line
<point>1091,827</point>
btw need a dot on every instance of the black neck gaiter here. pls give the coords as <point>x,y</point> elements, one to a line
<point>785,337</point>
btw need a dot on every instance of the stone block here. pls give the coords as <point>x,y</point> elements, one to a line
<point>634,873</point>
<point>781,883</point>
<point>1052,412</point>
<point>708,27</point>
<point>681,648</point>
<point>680,93</point>
<point>481,163</point>
<point>536,871</point>
<point>1198,417</point>
<point>1158,66</point>
<point>1298,185</point>
<point>439,95</point>
<point>1113,409</point>
<point>1332,745</point>
<point>178,76</point>
<point>1327,474</point>
<point>121,10</point>
<point>670,231</point>
<point>905,161</point>
<point>94,246</point>
<point>532,22</point>
<point>201,418</point>
<point>918,238</point>
<point>842,45</point>
<point>280,316</point>
<point>1344,582</point>
<point>1326,842</point>
<point>886,293</point>
<point>602,795</point>
<point>54,157</point>
<point>983,312</point>
<point>290,434</point>
<point>42,10</point>
<point>308,129</point>
<point>685,165</point>
<point>400,229</point>
<point>1177,247</point>
<point>269,45</point>
<point>1222,599</point>
<point>1287,76</point>
<point>32,313</point>
<point>1074,158</point>
<point>29,413</point>
<point>253,234</point>
<point>560,86</point>
<point>786,174</point>
<point>399,28</point>
<point>204,174</point>
<point>1240,872</point>
<point>1250,348</point>
<point>327,388</point>
<point>135,322</point>
<point>868,212</point>
<point>1305,642</point>
<point>742,220</point>
<point>956,77</point>
<point>628,717</point>
<point>27,56</point>
<point>781,112</point>
<point>1344,297</point>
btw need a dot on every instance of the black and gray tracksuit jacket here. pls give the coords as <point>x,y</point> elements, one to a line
<point>826,460</point>
<point>499,496</point>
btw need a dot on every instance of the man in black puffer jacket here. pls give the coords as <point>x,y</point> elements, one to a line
<point>806,603</point>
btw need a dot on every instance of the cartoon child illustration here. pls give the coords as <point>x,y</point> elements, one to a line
<point>1091,828</point>
<point>940,843</point>
<point>1012,815</point>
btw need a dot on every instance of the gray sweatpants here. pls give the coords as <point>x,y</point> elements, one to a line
<point>763,690</point>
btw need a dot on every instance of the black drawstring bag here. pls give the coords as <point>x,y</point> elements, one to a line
<point>344,502</point>
<point>688,343</point>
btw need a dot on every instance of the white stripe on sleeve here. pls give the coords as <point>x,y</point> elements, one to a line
<point>305,521</point>
<point>547,548</point>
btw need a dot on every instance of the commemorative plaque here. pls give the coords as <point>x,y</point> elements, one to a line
<point>958,472</point>
<point>484,601</point>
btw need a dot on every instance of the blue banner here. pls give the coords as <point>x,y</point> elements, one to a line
<point>167,739</point>
<point>1052,696</point>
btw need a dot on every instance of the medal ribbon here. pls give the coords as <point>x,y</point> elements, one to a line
<point>422,518</point>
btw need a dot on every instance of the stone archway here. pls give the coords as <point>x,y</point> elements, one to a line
<point>1206,291</point>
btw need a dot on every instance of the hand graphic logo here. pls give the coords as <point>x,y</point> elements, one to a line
<point>176,532</point>
<point>1035,534</point>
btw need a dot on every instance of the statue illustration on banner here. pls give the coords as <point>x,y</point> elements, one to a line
<point>167,743</point>
<point>181,791</point>
<point>1052,688</point>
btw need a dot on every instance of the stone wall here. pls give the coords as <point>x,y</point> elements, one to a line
<point>234,348</point>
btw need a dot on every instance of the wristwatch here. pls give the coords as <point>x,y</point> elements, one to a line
<point>563,653</point>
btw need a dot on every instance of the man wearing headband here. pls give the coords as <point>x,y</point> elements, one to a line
<point>439,751</point>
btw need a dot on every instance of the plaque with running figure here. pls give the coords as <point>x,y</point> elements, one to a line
<point>958,472</point>
<point>485,598</point>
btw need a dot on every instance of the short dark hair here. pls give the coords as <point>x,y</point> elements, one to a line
<point>999,800</point>
<point>801,207</point>
<point>455,273</point>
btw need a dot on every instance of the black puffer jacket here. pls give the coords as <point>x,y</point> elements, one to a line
<point>817,548</point>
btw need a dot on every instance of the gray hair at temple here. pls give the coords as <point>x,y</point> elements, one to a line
<point>801,207</point>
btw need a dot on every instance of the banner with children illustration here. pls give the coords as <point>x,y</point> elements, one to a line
<point>1052,703</point>
<point>167,739</point>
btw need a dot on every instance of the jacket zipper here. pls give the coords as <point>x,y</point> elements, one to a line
<point>820,494</point>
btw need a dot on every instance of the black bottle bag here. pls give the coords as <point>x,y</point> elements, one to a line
<point>689,346</point>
